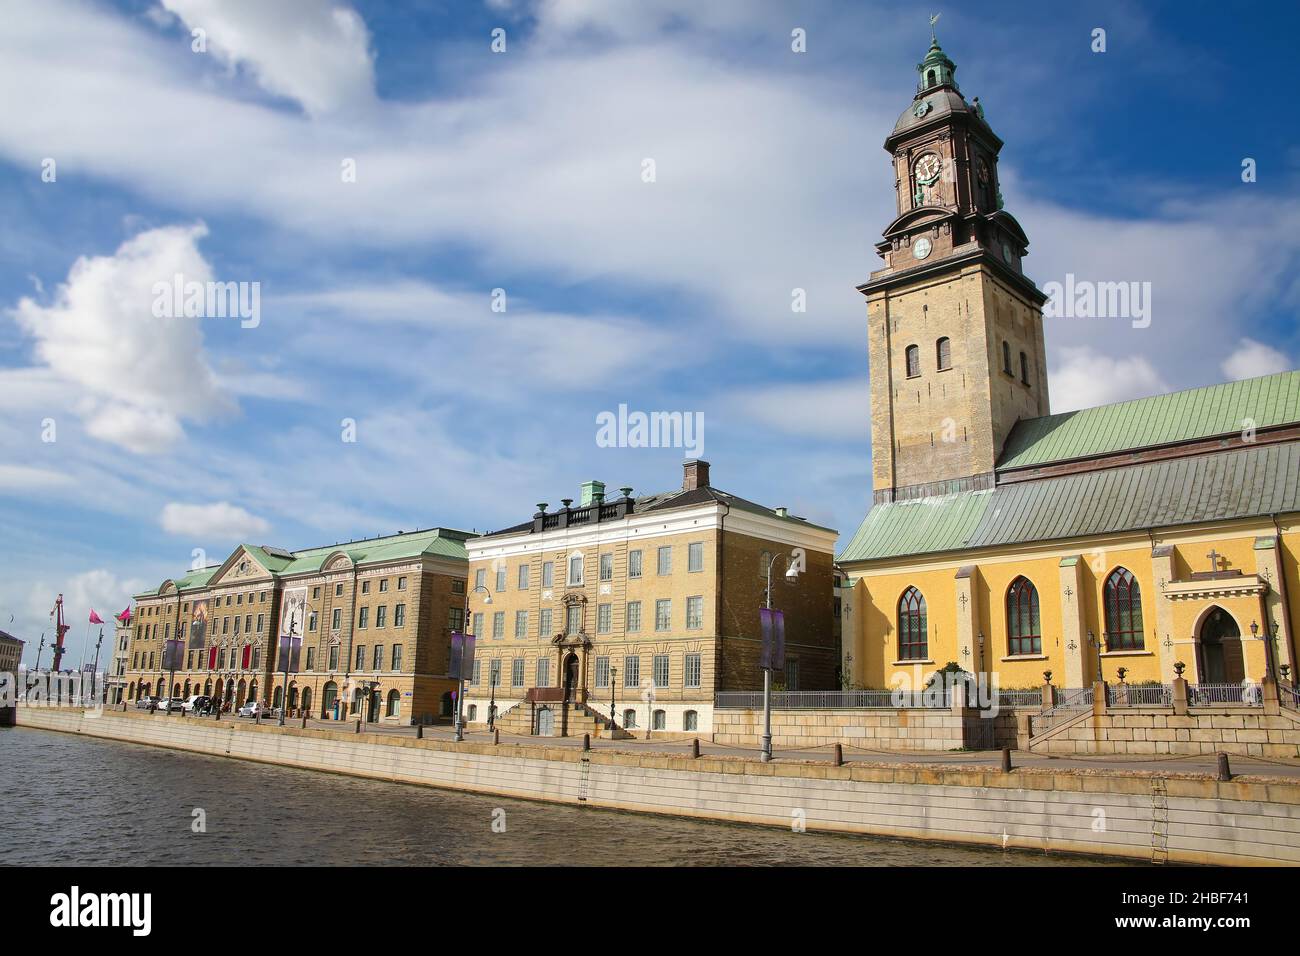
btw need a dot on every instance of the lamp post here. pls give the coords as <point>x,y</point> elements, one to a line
<point>613,690</point>
<point>1098,646</point>
<point>1268,639</point>
<point>790,574</point>
<point>460,670</point>
<point>492,698</point>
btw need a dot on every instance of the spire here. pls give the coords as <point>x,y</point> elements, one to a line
<point>936,70</point>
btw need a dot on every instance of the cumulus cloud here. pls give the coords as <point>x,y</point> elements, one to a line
<point>139,374</point>
<point>27,478</point>
<point>1253,358</point>
<point>220,520</point>
<point>1085,378</point>
<point>315,52</point>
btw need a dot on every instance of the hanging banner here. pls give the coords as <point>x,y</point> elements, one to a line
<point>172,655</point>
<point>772,625</point>
<point>293,612</point>
<point>290,653</point>
<point>462,656</point>
<point>246,657</point>
<point>199,626</point>
<point>212,658</point>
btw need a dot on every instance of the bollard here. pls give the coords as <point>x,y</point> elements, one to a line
<point>419,731</point>
<point>695,748</point>
<point>358,727</point>
<point>304,721</point>
<point>1225,772</point>
<point>586,741</point>
<point>496,736</point>
<point>839,755</point>
<point>1006,759</point>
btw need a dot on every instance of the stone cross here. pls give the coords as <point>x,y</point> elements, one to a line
<point>1214,559</point>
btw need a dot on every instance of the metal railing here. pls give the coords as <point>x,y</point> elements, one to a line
<point>1020,698</point>
<point>1212,695</point>
<point>790,700</point>
<point>1068,703</point>
<point>1139,695</point>
<point>1288,696</point>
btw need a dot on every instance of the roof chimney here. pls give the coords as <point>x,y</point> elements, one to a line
<point>695,474</point>
<point>592,491</point>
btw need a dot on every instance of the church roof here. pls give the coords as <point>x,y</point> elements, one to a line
<point>1252,481</point>
<point>1190,415</point>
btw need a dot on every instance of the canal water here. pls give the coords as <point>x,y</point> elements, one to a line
<point>80,801</point>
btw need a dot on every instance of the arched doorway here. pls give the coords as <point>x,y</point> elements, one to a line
<point>243,691</point>
<point>306,700</point>
<point>570,675</point>
<point>279,698</point>
<point>1219,647</point>
<point>394,706</point>
<point>446,704</point>
<point>187,689</point>
<point>230,692</point>
<point>372,707</point>
<point>329,701</point>
<point>252,691</point>
<point>207,687</point>
<point>545,722</point>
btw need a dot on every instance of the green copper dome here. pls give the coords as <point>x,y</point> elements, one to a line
<point>936,69</point>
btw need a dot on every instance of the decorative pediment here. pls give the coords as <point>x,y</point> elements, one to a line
<point>1213,587</point>
<point>337,561</point>
<point>571,598</point>
<point>240,566</point>
<point>916,218</point>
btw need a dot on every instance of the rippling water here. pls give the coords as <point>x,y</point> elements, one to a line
<point>81,801</point>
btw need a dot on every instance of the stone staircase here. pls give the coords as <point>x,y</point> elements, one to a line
<point>581,720</point>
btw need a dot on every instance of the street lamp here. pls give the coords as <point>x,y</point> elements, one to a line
<point>1099,646</point>
<point>460,670</point>
<point>613,690</point>
<point>1268,640</point>
<point>791,573</point>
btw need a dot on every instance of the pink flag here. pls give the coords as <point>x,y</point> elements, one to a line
<point>95,618</point>
<point>125,616</point>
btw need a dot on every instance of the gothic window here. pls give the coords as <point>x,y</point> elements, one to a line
<point>1024,627</point>
<point>1123,601</point>
<point>913,644</point>
<point>943,353</point>
<point>913,361</point>
<point>1006,358</point>
<point>1024,368</point>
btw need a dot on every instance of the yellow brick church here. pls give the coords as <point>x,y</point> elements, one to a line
<point>1150,535</point>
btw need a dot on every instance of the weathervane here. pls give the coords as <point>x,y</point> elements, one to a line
<point>934,18</point>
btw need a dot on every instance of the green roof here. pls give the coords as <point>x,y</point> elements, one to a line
<point>1197,413</point>
<point>1216,486</point>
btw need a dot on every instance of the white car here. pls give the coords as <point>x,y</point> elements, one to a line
<point>254,708</point>
<point>170,704</point>
<point>194,703</point>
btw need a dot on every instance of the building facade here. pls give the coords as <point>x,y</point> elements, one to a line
<point>1152,536</point>
<point>374,618</point>
<point>115,681</point>
<point>11,653</point>
<point>644,607</point>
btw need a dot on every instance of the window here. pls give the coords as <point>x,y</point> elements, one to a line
<point>311,621</point>
<point>1123,600</point>
<point>764,562</point>
<point>634,564</point>
<point>690,720</point>
<point>315,593</point>
<point>336,619</point>
<point>913,644</point>
<point>167,628</point>
<point>573,619</point>
<point>338,590</point>
<point>363,617</point>
<point>381,616</point>
<point>633,616</point>
<point>457,585</point>
<point>399,616</point>
<point>692,671</point>
<point>575,569</point>
<point>494,672</point>
<point>478,623</point>
<point>383,585</point>
<point>629,719</point>
<point>1024,368</point>
<point>665,560</point>
<point>248,622</point>
<point>311,658</point>
<point>1006,358</point>
<point>394,707</point>
<point>225,625</point>
<point>544,622</point>
<point>517,672</point>
<point>607,567</point>
<point>631,672</point>
<point>474,674</point>
<point>480,576</point>
<point>913,361</point>
<point>1024,628</point>
<point>695,556</point>
<point>543,672</point>
<point>523,577</point>
<point>501,579</point>
<point>397,657</point>
<point>660,720</point>
<point>334,657</point>
<point>602,671</point>
<point>498,625</point>
<point>365,587</point>
<point>548,574</point>
<point>663,614</point>
<point>792,673</point>
<point>261,622</point>
<point>660,670</point>
<point>943,353</point>
<point>604,618</point>
<point>378,664</point>
<point>239,599</point>
<point>361,656</point>
<point>401,584</point>
<point>521,623</point>
<point>695,612</point>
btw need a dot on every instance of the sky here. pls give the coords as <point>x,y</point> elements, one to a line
<point>475,227</point>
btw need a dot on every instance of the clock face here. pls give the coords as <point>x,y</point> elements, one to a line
<point>928,168</point>
<point>921,108</point>
<point>983,172</point>
<point>921,248</point>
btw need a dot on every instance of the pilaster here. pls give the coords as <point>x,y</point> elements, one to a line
<point>1072,622</point>
<point>1162,570</point>
<point>964,602</point>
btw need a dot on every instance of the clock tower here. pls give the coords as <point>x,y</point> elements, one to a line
<point>955,329</point>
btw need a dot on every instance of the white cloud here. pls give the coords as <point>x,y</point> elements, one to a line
<point>139,375</point>
<point>1086,378</point>
<point>1253,358</point>
<point>316,52</point>
<point>218,520</point>
<point>27,478</point>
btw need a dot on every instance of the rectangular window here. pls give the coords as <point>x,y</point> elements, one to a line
<point>383,585</point>
<point>397,657</point>
<point>457,585</point>
<point>474,675</point>
<point>455,617</point>
<point>663,615</point>
<point>494,673</point>
<point>692,670</point>
<point>548,574</point>
<point>634,564</point>
<point>311,621</point>
<point>633,616</point>
<point>631,672</point>
<point>399,616</point>
<point>544,622</point>
<point>381,616</point>
<point>338,590</point>
<point>168,627</point>
<point>378,658</point>
<point>573,619</point>
<point>695,612</point>
<point>248,622</point>
<point>792,673</point>
<point>501,579</point>
<point>365,587</point>
<point>661,670</point>
<point>478,623</point>
<point>261,622</point>
<point>523,577</point>
<point>480,578</point>
<point>225,625</point>
<point>695,556</point>
<point>363,617</point>
<point>665,565</point>
<point>575,569</point>
<point>517,672</point>
<point>521,623</point>
<point>602,671</point>
<point>334,657</point>
<point>607,567</point>
<point>315,593</point>
<point>401,584</point>
<point>336,619</point>
<point>604,618</point>
<point>543,672</point>
<point>498,625</point>
<point>361,656</point>
<point>311,658</point>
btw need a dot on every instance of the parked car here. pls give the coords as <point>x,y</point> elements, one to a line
<point>254,708</point>
<point>171,704</point>
<point>195,704</point>
<point>145,702</point>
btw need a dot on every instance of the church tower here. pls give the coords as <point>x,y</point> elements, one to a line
<point>955,329</point>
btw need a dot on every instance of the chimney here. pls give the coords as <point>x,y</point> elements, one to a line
<point>592,491</point>
<point>695,474</point>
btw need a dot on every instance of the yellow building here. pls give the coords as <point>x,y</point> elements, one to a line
<point>1011,542</point>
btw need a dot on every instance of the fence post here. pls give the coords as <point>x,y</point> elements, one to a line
<point>1178,696</point>
<point>838,759</point>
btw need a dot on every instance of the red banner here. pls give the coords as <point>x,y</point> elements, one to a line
<point>247,657</point>
<point>212,658</point>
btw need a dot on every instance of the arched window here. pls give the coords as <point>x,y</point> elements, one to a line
<point>394,705</point>
<point>660,720</point>
<point>929,78</point>
<point>1024,368</point>
<point>277,699</point>
<point>1006,358</point>
<point>471,713</point>
<point>913,361</point>
<point>913,644</point>
<point>691,720</point>
<point>1123,601</point>
<point>629,719</point>
<point>1024,627</point>
<point>943,353</point>
<point>306,700</point>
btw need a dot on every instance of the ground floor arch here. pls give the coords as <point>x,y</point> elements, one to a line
<point>1220,657</point>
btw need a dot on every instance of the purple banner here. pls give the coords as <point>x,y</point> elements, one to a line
<point>772,624</point>
<point>291,651</point>
<point>172,659</point>
<point>462,656</point>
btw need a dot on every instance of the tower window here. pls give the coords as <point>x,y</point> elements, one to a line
<point>1024,368</point>
<point>1006,358</point>
<point>929,78</point>
<point>913,361</point>
<point>943,353</point>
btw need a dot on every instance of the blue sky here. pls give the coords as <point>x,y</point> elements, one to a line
<point>521,171</point>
